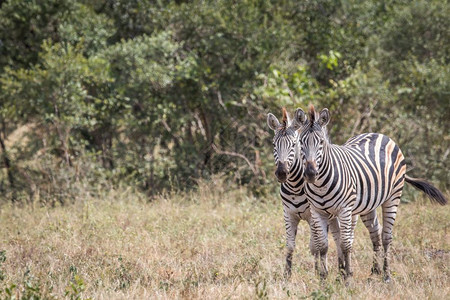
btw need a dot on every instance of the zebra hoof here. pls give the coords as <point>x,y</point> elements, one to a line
<point>387,279</point>
<point>287,274</point>
<point>375,271</point>
<point>348,280</point>
<point>323,275</point>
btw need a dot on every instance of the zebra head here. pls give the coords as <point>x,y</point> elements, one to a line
<point>284,142</point>
<point>313,140</point>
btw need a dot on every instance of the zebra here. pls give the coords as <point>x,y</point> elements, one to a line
<point>352,180</point>
<point>289,172</point>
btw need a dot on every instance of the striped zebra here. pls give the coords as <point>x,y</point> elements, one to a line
<point>354,179</point>
<point>289,172</point>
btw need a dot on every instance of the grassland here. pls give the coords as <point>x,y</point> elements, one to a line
<point>215,243</point>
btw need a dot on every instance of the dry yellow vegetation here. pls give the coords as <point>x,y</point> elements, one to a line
<point>216,243</point>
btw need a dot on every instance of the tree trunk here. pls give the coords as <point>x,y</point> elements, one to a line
<point>7,161</point>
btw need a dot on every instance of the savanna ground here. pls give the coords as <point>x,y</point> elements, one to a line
<point>215,243</point>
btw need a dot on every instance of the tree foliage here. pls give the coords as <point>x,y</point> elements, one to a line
<point>156,95</point>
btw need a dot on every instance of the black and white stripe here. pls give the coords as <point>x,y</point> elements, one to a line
<point>354,179</point>
<point>295,205</point>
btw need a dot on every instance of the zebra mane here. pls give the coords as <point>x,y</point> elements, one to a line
<point>283,128</point>
<point>312,114</point>
<point>313,119</point>
<point>285,120</point>
<point>314,122</point>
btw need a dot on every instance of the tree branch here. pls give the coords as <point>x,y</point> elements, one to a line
<point>252,167</point>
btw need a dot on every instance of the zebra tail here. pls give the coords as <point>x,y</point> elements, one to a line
<point>431,191</point>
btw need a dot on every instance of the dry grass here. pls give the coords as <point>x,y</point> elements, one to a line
<point>212,244</point>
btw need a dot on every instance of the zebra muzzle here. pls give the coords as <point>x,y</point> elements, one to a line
<point>310,172</point>
<point>281,172</point>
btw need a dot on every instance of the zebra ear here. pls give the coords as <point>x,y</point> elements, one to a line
<point>299,119</point>
<point>324,117</point>
<point>272,121</point>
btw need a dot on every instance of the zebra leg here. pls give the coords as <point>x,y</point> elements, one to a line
<point>291,222</point>
<point>334,228</point>
<point>319,242</point>
<point>389,213</point>
<point>346,223</point>
<point>370,220</point>
<point>354,222</point>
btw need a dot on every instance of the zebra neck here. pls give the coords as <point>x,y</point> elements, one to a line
<point>295,177</point>
<point>326,166</point>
